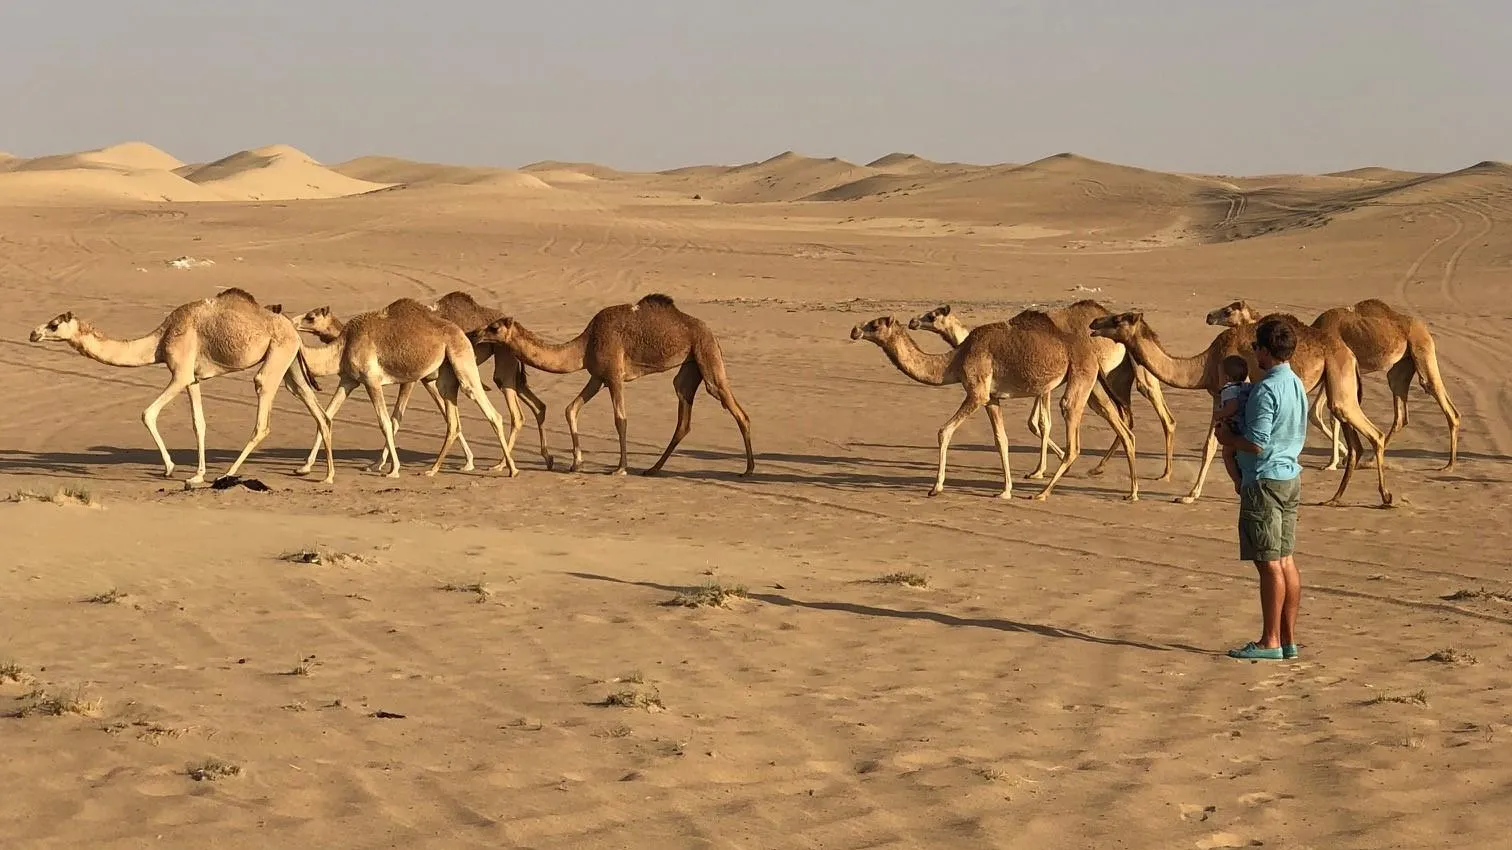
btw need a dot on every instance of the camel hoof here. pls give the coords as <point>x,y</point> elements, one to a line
<point>1166,477</point>
<point>1184,500</point>
<point>1387,501</point>
<point>650,473</point>
<point>1006,495</point>
<point>620,471</point>
<point>303,470</point>
<point>395,474</point>
<point>168,473</point>
<point>329,479</point>
<point>935,491</point>
<point>1132,497</point>
<point>1095,471</point>
<point>550,462</point>
<point>1041,496</point>
<point>1035,476</point>
<point>466,467</point>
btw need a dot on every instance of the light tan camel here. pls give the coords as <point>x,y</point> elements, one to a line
<point>404,342</point>
<point>198,341</point>
<point>1384,339</point>
<point>462,310</point>
<point>1316,359</point>
<point>1120,371</point>
<point>1026,358</point>
<point>622,343</point>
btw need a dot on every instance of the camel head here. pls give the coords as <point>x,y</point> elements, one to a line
<point>63,327</point>
<point>320,323</point>
<point>1120,327</point>
<point>878,330</point>
<point>1233,315</point>
<point>501,331</point>
<point>938,321</point>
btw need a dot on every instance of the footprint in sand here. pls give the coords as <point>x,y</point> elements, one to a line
<point>1258,798</point>
<point>1226,839</point>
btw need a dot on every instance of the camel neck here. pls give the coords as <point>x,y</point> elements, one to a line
<point>324,360</point>
<point>926,368</point>
<point>1187,373</point>
<point>115,352</point>
<point>559,359</point>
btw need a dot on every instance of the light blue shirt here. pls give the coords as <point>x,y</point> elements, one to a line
<point>1275,419</point>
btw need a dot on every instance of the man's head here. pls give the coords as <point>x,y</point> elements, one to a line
<point>1275,341</point>
<point>1234,368</point>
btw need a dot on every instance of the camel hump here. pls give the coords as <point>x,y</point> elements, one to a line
<point>236,293</point>
<point>456,298</point>
<point>656,299</point>
<point>1033,320</point>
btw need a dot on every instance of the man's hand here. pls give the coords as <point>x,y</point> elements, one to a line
<point>1228,436</point>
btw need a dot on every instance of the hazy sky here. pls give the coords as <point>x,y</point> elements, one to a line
<point>1214,86</point>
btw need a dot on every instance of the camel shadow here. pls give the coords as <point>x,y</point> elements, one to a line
<point>94,457</point>
<point>994,623</point>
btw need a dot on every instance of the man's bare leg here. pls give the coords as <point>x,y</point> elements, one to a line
<point>1272,600</point>
<point>1293,602</point>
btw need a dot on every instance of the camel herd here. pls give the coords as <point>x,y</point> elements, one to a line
<point>1096,355</point>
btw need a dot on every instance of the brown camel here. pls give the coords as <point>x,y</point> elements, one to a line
<point>622,343</point>
<point>1026,358</point>
<point>1121,373</point>
<point>404,342</point>
<point>462,310</point>
<point>1318,358</point>
<point>1384,339</point>
<point>198,341</point>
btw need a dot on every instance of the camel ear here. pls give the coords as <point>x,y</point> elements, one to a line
<point>321,311</point>
<point>945,310</point>
<point>67,317</point>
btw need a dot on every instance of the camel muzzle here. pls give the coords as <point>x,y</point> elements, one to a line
<point>856,332</point>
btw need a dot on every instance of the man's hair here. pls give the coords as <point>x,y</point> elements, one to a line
<point>1235,368</point>
<point>1277,337</point>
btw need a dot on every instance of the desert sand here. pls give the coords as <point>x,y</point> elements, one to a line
<point>444,669</point>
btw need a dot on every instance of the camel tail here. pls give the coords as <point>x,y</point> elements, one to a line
<point>1123,409</point>
<point>304,368</point>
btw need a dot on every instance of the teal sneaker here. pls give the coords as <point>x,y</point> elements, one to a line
<point>1289,651</point>
<point>1254,652</point>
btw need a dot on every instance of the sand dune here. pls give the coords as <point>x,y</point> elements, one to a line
<point>393,171</point>
<point>129,156</point>
<point>95,185</point>
<point>788,176</point>
<point>274,173</point>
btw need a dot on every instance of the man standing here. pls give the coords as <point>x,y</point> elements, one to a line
<point>1275,422</point>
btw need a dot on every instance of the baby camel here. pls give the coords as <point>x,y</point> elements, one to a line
<point>1117,368</point>
<point>1385,339</point>
<point>403,342</point>
<point>622,343</point>
<point>199,341</point>
<point>1028,357</point>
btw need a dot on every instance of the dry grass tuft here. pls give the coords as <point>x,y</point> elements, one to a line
<point>321,556</point>
<point>212,769</point>
<point>41,702</point>
<point>710,594</point>
<point>1418,697</point>
<point>905,579</point>
<point>1452,656</point>
<point>109,597</point>
<point>65,495</point>
<point>10,672</point>
<point>479,588</point>
<point>634,698</point>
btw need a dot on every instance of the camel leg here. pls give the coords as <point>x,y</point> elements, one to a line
<point>721,390</point>
<point>506,378</point>
<point>337,400</point>
<point>1121,379</point>
<point>446,394</point>
<point>266,381</point>
<point>974,399</point>
<point>150,416</point>
<point>296,383</point>
<point>1209,451</point>
<point>1110,412</point>
<point>585,395</point>
<point>197,414</point>
<point>1433,384</point>
<point>385,424</point>
<point>473,386</point>
<point>685,384</point>
<point>1149,387</point>
<point>621,423</point>
<point>435,394</point>
<point>1329,428</point>
<point>509,374</point>
<point>401,404</point>
<point>1000,437</point>
<point>1039,426</point>
<point>1355,426</point>
<point>1073,403</point>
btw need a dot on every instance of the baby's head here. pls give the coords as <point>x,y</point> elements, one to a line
<point>1234,368</point>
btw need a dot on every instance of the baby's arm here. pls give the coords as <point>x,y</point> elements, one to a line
<point>1227,411</point>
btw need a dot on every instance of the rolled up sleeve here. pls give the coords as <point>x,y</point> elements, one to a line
<point>1260,416</point>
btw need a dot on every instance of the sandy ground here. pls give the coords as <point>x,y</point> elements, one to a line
<point>1059,681</point>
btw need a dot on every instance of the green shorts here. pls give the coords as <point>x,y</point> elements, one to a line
<point>1268,518</point>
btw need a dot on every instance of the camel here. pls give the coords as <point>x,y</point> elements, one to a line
<point>461,309</point>
<point>200,340</point>
<point>1121,373</point>
<point>1384,339</point>
<point>624,342</point>
<point>1319,358</point>
<point>404,342</point>
<point>1028,357</point>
